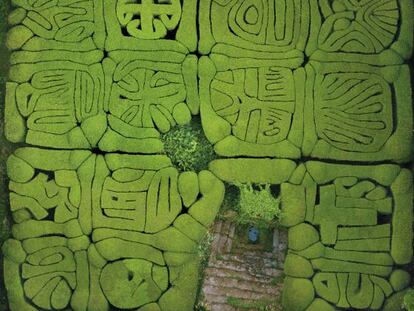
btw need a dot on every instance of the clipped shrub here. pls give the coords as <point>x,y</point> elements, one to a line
<point>297,266</point>
<point>395,302</point>
<point>258,206</point>
<point>187,147</point>
<point>409,300</point>
<point>399,279</point>
<point>298,294</point>
<point>302,236</point>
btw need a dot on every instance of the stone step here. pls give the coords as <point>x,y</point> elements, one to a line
<point>270,272</point>
<point>253,285</point>
<point>252,252</point>
<point>220,307</point>
<point>250,247</point>
<point>246,272</point>
<point>215,303</point>
<point>249,258</point>
<point>216,290</point>
<point>221,299</point>
<point>228,273</point>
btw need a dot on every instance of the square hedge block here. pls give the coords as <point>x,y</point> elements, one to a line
<point>151,25</point>
<point>149,92</point>
<point>252,107</point>
<point>266,26</point>
<point>374,32</point>
<point>59,25</point>
<point>354,228</point>
<point>51,94</point>
<point>97,232</point>
<point>357,112</point>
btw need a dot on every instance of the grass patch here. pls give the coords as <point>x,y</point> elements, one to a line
<point>261,304</point>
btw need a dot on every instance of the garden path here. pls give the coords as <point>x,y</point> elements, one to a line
<point>243,276</point>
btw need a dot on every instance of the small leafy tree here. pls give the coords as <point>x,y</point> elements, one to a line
<point>258,207</point>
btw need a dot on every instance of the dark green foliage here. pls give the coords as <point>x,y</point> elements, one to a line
<point>409,300</point>
<point>187,147</point>
<point>204,249</point>
<point>5,147</point>
<point>395,302</point>
<point>231,200</point>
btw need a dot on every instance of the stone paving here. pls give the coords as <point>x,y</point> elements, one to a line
<point>245,272</point>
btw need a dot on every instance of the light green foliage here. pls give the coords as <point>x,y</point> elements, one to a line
<point>128,117</point>
<point>188,148</point>
<point>302,236</point>
<point>351,251</point>
<point>258,206</point>
<point>118,234</point>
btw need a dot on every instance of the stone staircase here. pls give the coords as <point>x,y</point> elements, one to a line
<point>242,276</point>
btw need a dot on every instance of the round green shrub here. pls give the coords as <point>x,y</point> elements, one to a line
<point>187,147</point>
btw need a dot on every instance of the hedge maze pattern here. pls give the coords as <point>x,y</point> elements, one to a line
<point>311,96</point>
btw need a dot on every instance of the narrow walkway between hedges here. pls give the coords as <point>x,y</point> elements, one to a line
<point>244,276</point>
